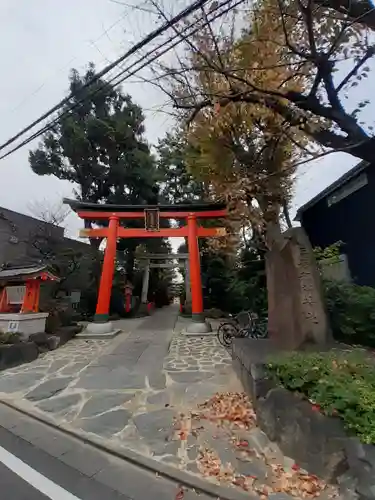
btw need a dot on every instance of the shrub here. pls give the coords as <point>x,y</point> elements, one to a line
<point>330,252</point>
<point>9,338</point>
<point>351,310</point>
<point>340,384</point>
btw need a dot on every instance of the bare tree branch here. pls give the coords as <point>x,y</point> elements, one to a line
<point>50,213</point>
<point>370,53</point>
<point>286,215</point>
<point>310,58</point>
<point>361,11</point>
<point>135,7</point>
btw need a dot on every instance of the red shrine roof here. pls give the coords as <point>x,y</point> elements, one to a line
<point>82,206</point>
<point>26,273</point>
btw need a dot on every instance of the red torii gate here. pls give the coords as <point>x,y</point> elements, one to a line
<point>151,214</point>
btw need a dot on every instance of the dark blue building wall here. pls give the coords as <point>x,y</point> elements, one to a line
<point>350,220</point>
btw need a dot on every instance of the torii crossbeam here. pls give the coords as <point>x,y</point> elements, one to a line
<point>115,214</point>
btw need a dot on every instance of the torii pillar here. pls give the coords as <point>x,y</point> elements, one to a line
<point>145,282</point>
<point>102,327</point>
<point>187,285</point>
<point>198,324</point>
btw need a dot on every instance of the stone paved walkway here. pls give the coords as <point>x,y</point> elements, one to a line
<point>134,391</point>
<point>125,391</point>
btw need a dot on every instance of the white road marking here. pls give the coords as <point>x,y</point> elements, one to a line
<point>31,476</point>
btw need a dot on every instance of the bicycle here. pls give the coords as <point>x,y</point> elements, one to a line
<point>244,325</point>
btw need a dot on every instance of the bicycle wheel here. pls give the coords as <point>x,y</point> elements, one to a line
<point>226,332</point>
<point>261,329</point>
<point>247,332</point>
<point>244,319</point>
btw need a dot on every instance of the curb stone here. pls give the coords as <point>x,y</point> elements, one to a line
<point>178,476</point>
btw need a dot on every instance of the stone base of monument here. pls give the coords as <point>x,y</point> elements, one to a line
<point>99,331</point>
<point>250,351</point>
<point>198,329</point>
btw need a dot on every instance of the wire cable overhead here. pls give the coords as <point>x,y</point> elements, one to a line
<point>155,54</point>
<point>135,48</point>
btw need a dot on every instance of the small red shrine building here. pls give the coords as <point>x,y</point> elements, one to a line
<point>19,298</point>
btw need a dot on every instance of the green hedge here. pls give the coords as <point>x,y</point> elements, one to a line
<point>341,384</point>
<point>351,310</point>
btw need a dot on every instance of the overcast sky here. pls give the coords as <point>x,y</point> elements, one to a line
<point>43,39</point>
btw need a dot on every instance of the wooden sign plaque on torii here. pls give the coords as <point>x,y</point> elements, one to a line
<point>151,215</point>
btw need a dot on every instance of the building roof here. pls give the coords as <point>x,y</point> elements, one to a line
<point>82,206</point>
<point>19,271</point>
<point>332,187</point>
<point>23,220</point>
<point>26,272</point>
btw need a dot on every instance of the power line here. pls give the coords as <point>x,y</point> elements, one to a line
<point>156,55</point>
<point>196,27</point>
<point>178,36</point>
<point>58,70</point>
<point>135,48</point>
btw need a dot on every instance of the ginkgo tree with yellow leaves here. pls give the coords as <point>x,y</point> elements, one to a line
<point>324,50</point>
<point>244,152</point>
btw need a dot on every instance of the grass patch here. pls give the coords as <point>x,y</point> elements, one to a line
<point>341,383</point>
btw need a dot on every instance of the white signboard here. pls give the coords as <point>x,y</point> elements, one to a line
<point>13,326</point>
<point>75,296</point>
<point>16,294</point>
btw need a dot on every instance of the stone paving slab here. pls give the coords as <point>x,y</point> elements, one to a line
<point>127,393</point>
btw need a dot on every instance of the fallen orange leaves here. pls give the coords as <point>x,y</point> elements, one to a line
<point>180,493</point>
<point>182,427</point>
<point>232,407</point>
<point>243,444</point>
<point>296,483</point>
<point>236,409</point>
<point>209,464</point>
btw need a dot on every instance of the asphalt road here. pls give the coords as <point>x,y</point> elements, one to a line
<point>38,462</point>
<point>16,487</point>
<point>28,473</point>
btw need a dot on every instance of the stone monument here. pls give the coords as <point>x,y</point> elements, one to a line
<point>295,300</point>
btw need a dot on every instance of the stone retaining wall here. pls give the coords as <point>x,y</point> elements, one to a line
<point>316,442</point>
<point>12,355</point>
<point>17,354</point>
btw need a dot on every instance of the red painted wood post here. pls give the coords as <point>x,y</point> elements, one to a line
<point>3,300</point>
<point>105,288</point>
<point>28,305</point>
<point>36,295</point>
<point>195,270</point>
